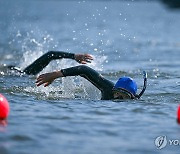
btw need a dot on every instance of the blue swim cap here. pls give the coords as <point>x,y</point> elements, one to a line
<point>127,84</point>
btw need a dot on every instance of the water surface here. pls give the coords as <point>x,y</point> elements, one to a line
<point>125,38</point>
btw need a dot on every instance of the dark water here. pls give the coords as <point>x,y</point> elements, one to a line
<point>125,38</point>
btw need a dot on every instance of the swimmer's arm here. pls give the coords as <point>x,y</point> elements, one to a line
<point>88,73</point>
<point>80,58</point>
<point>53,55</point>
<point>39,64</point>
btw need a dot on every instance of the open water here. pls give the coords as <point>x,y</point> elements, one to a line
<point>68,117</point>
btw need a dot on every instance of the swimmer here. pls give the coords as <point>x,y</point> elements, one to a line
<point>125,87</point>
<point>39,64</point>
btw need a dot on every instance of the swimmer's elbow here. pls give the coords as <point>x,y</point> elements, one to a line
<point>84,69</point>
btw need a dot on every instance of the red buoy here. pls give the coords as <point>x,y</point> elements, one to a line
<point>178,114</point>
<point>4,107</point>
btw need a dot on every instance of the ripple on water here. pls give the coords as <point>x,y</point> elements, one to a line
<point>21,138</point>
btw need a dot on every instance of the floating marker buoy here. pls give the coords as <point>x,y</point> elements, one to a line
<point>178,115</point>
<point>4,107</point>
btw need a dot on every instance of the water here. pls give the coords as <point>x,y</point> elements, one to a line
<point>125,38</point>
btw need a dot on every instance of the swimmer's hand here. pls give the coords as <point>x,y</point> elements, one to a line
<point>83,58</point>
<point>48,78</point>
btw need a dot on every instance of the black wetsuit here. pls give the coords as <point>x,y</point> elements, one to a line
<point>44,60</point>
<point>104,85</point>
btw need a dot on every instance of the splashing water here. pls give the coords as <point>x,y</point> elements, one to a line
<point>33,48</point>
<point>69,87</point>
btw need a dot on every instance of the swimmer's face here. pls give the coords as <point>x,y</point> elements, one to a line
<point>121,95</point>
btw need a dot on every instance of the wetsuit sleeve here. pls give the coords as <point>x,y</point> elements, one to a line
<point>45,59</point>
<point>91,75</point>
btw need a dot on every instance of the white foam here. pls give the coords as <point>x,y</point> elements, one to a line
<point>69,87</point>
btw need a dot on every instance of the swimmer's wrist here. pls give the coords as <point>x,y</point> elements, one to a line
<point>58,74</point>
<point>74,56</point>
